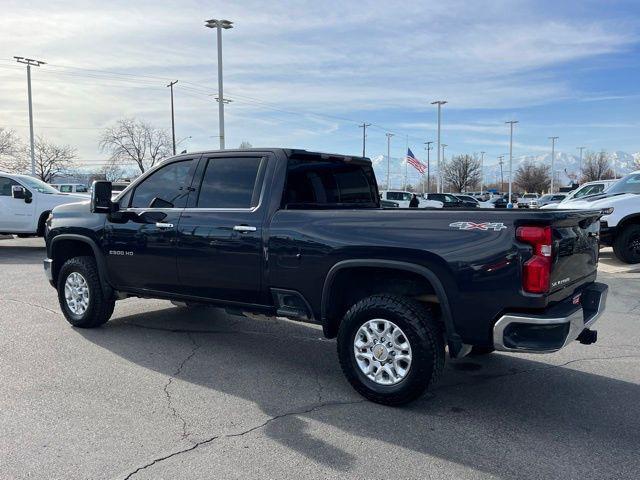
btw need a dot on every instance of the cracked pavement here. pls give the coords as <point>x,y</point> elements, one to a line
<point>164,392</point>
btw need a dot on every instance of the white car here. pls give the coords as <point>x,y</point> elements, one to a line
<point>620,223</point>
<point>585,190</point>
<point>25,204</point>
<point>402,198</point>
<point>528,200</point>
<point>71,188</point>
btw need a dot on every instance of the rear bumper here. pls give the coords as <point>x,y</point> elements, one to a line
<point>555,328</point>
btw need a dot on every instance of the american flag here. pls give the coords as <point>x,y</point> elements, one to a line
<point>415,163</point>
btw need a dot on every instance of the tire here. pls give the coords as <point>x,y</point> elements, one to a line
<point>98,308</point>
<point>478,350</point>
<point>420,329</point>
<point>626,245</point>
<point>24,235</point>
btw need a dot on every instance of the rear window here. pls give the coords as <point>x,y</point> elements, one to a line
<point>325,182</point>
<point>629,184</point>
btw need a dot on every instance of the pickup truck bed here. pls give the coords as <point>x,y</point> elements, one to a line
<point>302,235</point>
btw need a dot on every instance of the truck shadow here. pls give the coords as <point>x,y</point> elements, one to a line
<point>503,415</point>
<point>22,255</point>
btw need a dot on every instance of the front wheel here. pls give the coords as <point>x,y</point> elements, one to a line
<point>626,245</point>
<point>80,294</point>
<point>390,348</point>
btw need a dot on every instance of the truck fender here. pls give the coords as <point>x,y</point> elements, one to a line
<point>453,339</point>
<point>98,255</point>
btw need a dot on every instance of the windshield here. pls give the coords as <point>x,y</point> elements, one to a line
<point>628,184</point>
<point>38,185</point>
<point>544,198</point>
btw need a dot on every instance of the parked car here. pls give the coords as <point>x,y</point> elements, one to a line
<point>71,188</point>
<point>620,222</point>
<point>448,200</point>
<point>585,190</point>
<point>403,198</point>
<point>500,202</point>
<point>467,200</point>
<point>301,235</point>
<point>527,200</point>
<point>25,204</point>
<point>389,204</point>
<point>550,199</point>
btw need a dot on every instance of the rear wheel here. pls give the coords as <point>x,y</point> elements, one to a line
<point>626,245</point>
<point>390,348</point>
<point>80,294</point>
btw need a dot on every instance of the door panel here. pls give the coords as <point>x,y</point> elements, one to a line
<point>15,214</point>
<point>220,238</point>
<point>140,239</point>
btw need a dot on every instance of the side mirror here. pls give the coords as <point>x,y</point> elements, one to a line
<point>18,192</point>
<point>101,197</point>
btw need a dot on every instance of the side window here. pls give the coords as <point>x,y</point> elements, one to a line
<point>166,187</point>
<point>66,188</point>
<point>230,182</point>
<point>81,189</point>
<point>5,186</point>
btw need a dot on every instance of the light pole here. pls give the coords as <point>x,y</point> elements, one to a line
<point>580,164</point>
<point>553,157</point>
<point>481,172</point>
<point>219,25</point>
<point>364,137</point>
<point>173,125</point>
<point>439,103</point>
<point>428,148</point>
<point>389,135</point>
<point>501,163</point>
<point>30,62</point>
<point>511,123</point>
<point>444,145</point>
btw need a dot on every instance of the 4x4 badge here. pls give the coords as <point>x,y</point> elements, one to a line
<point>496,227</point>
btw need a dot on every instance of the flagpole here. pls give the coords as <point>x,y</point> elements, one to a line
<point>406,165</point>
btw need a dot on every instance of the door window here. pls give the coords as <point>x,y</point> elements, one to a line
<point>5,186</point>
<point>164,188</point>
<point>230,182</point>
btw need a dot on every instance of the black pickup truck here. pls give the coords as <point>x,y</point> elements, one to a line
<point>302,235</point>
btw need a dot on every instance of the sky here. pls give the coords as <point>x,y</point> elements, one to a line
<point>306,74</point>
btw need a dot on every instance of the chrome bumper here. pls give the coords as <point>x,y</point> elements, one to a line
<point>47,263</point>
<point>554,330</point>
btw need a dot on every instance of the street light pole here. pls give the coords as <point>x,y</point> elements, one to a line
<point>511,123</point>
<point>553,157</point>
<point>580,164</point>
<point>219,25</point>
<point>30,62</point>
<point>444,145</point>
<point>481,172</point>
<point>389,135</point>
<point>428,149</point>
<point>439,103</point>
<point>364,137</point>
<point>501,163</point>
<point>173,125</point>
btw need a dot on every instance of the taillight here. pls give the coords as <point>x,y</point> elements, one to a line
<point>536,271</point>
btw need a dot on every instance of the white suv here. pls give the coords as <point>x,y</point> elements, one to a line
<point>403,198</point>
<point>25,204</point>
<point>620,223</point>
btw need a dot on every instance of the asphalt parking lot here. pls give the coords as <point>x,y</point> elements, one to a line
<point>161,392</point>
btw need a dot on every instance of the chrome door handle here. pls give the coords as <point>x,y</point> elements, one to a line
<point>162,225</point>
<point>244,228</point>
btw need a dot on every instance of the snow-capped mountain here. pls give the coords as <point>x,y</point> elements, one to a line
<point>567,166</point>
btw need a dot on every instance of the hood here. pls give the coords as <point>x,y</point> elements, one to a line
<point>600,201</point>
<point>75,196</point>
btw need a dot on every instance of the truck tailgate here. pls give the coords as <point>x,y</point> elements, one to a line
<point>575,248</point>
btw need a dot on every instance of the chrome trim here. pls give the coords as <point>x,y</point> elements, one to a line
<point>164,225</point>
<point>244,228</point>
<point>576,320</point>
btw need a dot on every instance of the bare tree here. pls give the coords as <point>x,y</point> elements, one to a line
<point>137,141</point>
<point>11,152</point>
<point>462,171</point>
<point>244,145</point>
<point>532,178</point>
<point>112,170</point>
<point>52,159</point>
<point>596,167</point>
